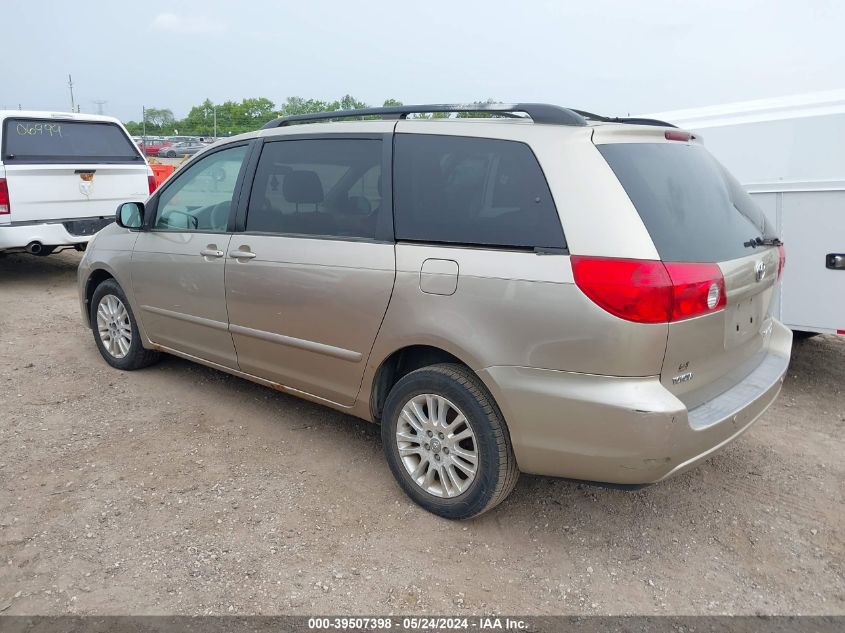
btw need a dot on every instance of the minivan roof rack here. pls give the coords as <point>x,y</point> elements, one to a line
<point>538,112</point>
<point>629,120</point>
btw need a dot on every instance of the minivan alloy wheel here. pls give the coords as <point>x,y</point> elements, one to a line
<point>114,326</point>
<point>437,445</point>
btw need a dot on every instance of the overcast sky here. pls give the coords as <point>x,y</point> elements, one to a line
<point>607,57</point>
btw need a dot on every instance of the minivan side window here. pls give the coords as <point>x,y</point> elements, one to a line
<point>473,191</point>
<point>320,187</point>
<point>200,199</point>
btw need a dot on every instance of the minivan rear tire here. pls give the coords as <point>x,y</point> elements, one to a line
<point>496,469</point>
<point>136,356</point>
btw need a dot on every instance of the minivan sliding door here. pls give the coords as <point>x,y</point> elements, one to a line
<point>309,279</point>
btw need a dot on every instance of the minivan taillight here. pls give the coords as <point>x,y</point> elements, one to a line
<point>650,291</point>
<point>151,182</point>
<point>781,259</point>
<point>696,289</point>
<point>5,207</point>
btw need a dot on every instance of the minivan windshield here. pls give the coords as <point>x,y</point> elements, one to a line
<point>64,141</point>
<point>694,210</point>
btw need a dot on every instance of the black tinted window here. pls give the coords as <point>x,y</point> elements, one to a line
<point>472,191</point>
<point>58,141</point>
<point>326,187</point>
<point>694,210</point>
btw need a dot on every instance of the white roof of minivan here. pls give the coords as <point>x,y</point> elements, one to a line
<point>757,111</point>
<point>47,114</point>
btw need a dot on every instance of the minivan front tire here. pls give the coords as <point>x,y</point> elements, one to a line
<point>447,443</point>
<point>115,330</point>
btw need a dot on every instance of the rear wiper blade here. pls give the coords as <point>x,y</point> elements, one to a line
<point>762,241</point>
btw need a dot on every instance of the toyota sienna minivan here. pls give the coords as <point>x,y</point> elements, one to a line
<point>542,290</point>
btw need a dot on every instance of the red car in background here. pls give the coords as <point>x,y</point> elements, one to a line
<point>153,147</point>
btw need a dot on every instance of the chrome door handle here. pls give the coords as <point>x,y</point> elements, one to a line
<point>241,254</point>
<point>210,252</point>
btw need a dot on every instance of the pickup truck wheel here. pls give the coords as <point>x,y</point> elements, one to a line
<point>115,331</point>
<point>446,442</point>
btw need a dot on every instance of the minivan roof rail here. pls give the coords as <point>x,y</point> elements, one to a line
<point>629,120</point>
<point>538,112</point>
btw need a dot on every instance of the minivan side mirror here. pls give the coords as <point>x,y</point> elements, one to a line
<point>130,215</point>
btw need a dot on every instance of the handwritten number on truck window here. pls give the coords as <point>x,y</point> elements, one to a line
<point>34,129</point>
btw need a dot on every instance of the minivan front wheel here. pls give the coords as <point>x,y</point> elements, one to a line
<point>115,331</point>
<point>446,442</point>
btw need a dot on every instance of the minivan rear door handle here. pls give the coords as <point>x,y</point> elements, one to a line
<point>835,261</point>
<point>239,254</point>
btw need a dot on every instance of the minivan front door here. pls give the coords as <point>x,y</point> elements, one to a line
<point>309,280</point>
<point>178,263</point>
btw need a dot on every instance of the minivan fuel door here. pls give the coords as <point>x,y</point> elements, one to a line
<point>439,276</point>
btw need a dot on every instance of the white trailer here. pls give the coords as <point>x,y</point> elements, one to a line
<point>789,153</point>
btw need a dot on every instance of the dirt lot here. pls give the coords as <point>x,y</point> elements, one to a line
<point>179,489</point>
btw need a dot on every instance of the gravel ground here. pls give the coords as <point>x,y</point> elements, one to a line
<point>182,490</point>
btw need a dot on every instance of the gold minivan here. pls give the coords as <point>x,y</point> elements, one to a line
<point>534,289</point>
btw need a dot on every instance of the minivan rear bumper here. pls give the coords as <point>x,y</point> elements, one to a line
<point>50,232</point>
<point>626,430</point>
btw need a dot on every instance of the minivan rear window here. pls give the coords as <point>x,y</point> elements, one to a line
<point>694,210</point>
<point>472,191</point>
<point>63,141</point>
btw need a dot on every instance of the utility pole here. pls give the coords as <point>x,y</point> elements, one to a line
<point>70,85</point>
<point>144,129</point>
<point>215,123</point>
<point>100,105</point>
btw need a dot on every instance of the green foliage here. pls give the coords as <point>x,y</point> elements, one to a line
<point>298,105</point>
<point>160,118</point>
<point>234,117</point>
<point>231,118</point>
<point>159,121</point>
<point>134,128</point>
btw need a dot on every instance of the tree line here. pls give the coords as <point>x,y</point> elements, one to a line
<point>234,117</point>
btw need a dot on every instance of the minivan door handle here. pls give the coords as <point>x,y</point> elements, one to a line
<point>239,254</point>
<point>835,261</point>
<point>211,251</point>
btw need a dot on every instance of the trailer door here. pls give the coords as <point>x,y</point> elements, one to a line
<point>814,278</point>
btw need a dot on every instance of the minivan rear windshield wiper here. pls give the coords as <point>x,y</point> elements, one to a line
<point>762,241</point>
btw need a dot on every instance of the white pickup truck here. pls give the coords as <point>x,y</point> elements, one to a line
<point>62,176</point>
<point>789,153</point>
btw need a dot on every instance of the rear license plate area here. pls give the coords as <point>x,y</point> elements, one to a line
<point>742,321</point>
<point>83,228</point>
